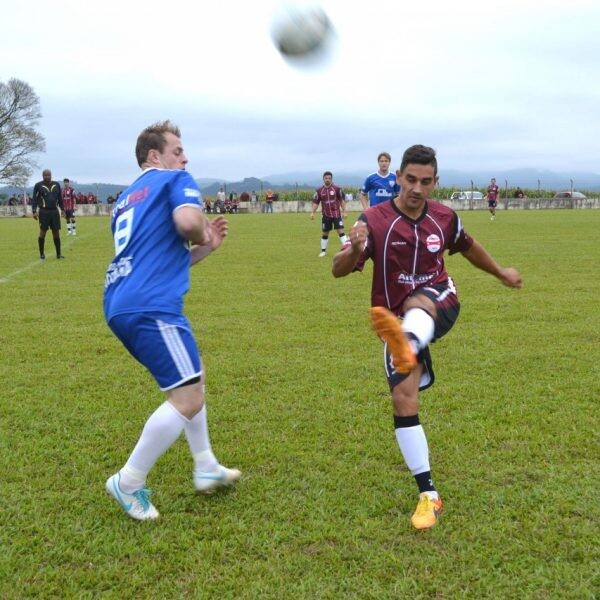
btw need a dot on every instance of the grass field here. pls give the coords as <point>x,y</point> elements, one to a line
<point>298,401</point>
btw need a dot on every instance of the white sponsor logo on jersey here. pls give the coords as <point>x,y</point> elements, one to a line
<point>433,243</point>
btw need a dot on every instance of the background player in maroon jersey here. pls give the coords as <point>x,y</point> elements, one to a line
<point>406,238</point>
<point>492,197</point>
<point>333,210</point>
<point>68,198</point>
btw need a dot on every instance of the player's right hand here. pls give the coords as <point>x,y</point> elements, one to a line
<point>359,233</point>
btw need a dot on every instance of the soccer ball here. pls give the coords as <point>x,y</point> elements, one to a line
<point>301,31</point>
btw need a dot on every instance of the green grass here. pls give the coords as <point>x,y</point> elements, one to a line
<point>297,400</point>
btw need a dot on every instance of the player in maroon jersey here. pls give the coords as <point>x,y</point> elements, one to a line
<point>68,198</point>
<point>406,238</point>
<point>333,210</point>
<point>493,192</point>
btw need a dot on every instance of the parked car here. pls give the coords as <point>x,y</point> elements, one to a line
<point>568,194</point>
<point>466,195</point>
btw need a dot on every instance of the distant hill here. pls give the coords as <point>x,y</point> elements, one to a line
<point>525,178</point>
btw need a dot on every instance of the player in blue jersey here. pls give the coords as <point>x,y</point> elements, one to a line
<point>380,186</point>
<point>159,231</point>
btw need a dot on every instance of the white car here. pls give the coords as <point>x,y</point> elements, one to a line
<point>568,194</point>
<point>466,195</point>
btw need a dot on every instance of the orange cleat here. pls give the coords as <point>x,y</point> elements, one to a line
<point>388,328</point>
<point>427,512</point>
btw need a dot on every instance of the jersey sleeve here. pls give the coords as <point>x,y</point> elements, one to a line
<point>366,186</point>
<point>461,241</point>
<point>184,191</point>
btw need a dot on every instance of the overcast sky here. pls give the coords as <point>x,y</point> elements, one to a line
<point>491,85</point>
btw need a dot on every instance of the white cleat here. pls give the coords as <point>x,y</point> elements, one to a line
<point>208,482</point>
<point>322,254</point>
<point>136,505</point>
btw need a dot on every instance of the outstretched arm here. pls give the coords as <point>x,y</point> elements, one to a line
<point>479,257</point>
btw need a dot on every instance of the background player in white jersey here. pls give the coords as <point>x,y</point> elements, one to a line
<point>380,186</point>
<point>406,239</point>
<point>159,231</point>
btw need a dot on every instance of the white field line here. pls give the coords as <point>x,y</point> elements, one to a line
<point>10,276</point>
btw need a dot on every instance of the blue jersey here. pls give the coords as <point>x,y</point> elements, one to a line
<point>380,188</point>
<point>151,267</point>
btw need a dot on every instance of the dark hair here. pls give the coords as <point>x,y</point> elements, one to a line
<point>420,155</point>
<point>66,179</point>
<point>386,154</point>
<point>327,173</point>
<point>153,138</point>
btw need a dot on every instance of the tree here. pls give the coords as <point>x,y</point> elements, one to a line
<point>19,139</point>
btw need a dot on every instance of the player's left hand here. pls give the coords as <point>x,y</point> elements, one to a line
<point>219,228</point>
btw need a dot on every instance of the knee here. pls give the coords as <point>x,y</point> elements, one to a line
<point>422,302</point>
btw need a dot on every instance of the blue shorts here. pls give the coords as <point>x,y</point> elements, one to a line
<point>163,343</point>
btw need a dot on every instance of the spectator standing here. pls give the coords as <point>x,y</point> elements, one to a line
<point>47,198</point>
<point>333,210</point>
<point>270,197</point>
<point>68,198</point>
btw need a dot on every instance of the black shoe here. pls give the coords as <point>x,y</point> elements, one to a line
<point>59,256</point>
<point>42,257</point>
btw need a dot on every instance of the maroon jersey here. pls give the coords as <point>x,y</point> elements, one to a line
<point>408,254</point>
<point>68,198</point>
<point>331,200</point>
<point>492,192</point>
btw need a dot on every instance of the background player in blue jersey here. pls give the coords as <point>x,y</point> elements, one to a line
<point>380,186</point>
<point>159,231</point>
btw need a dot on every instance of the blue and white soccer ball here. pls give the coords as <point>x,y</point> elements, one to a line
<point>300,32</point>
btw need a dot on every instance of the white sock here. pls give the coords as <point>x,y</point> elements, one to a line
<point>414,448</point>
<point>419,322</point>
<point>324,244</point>
<point>160,432</point>
<point>343,239</point>
<point>196,432</point>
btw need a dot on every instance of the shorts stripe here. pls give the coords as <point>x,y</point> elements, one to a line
<point>176,349</point>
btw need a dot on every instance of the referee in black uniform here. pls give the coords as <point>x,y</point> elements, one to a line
<point>48,199</point>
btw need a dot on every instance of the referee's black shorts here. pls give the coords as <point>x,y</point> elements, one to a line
<point>49,219</point>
